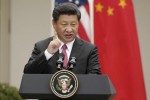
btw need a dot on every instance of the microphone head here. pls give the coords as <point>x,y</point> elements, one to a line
<point>59,62</point>
<point>73,60</point>
<point>72,63</point>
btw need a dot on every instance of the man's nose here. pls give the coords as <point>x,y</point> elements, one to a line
<point>68,29</point>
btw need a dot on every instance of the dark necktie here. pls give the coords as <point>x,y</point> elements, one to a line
<point>65,63</point>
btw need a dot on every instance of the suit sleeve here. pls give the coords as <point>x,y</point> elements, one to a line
<point>93,62</point>
<point>37,61</point>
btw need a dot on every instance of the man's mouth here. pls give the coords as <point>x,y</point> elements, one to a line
<point>68,35</point>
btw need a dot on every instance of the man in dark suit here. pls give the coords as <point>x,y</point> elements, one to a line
<point>43,60</point>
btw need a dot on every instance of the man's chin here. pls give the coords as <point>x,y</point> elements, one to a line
<point>69,40</point>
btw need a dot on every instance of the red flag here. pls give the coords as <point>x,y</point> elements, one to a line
<point>116,38</point>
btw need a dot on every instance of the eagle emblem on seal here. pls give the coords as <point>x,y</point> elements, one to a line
<point>64,83</point>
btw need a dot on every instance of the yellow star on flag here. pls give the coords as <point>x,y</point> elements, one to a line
<point>99,7</point>
<point>110,11</point>
<point>122,3</point>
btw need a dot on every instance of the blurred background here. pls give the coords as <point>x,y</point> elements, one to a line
<point>24,22</point>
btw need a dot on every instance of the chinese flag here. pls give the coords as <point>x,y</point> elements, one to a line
<point>115,35</point>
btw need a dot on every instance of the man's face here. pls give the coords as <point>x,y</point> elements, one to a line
<point>66,27</point>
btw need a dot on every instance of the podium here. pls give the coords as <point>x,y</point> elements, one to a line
<point>91,87</point>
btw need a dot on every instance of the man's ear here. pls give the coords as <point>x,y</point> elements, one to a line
<point>54,24</point>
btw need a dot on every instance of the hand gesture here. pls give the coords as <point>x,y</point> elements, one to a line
<point>53,45</point>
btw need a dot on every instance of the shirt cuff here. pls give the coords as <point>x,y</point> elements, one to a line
<point>48,55</point>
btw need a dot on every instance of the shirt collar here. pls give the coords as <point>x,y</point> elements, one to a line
<point>69,45</point>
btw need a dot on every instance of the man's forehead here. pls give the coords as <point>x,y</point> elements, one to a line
<point>68,17</point>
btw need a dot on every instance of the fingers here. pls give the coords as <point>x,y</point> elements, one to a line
<point>56,43</point>
<point>55,37</point>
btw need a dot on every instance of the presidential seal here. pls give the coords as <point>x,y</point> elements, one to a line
<point>64,84</point>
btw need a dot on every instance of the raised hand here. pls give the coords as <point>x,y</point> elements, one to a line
<point>53,45</point>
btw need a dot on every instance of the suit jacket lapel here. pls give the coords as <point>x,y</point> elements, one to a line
<point>76,48</point>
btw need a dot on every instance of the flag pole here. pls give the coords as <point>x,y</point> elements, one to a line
<point>92,20</point>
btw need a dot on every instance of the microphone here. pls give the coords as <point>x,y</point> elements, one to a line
<point>59,62</point>
<point>72,63</point>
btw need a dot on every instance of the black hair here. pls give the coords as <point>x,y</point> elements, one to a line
<point>66,9</point>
